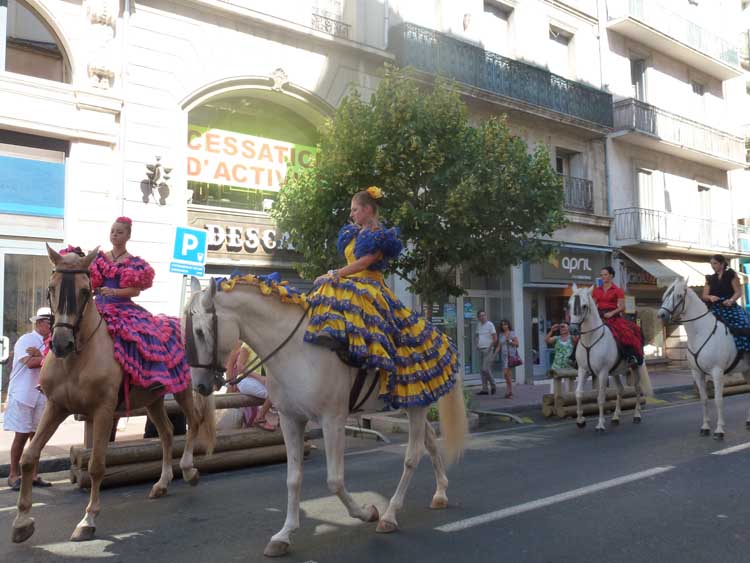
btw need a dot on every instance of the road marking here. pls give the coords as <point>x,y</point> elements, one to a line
<point>547,501</point>
<point>733,449</point>
<point>10,508</point>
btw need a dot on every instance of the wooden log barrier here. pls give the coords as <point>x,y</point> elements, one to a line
<point>138,451</point>
<point>734,384</point>
<point>593,408</point>
<point>567,399</point>
<point>132,473</point>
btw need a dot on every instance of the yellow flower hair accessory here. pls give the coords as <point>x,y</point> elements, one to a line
<point>374,192</point>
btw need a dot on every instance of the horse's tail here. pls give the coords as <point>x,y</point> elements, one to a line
<point>646,386</point>
<point>453,423</point>
<point>206,407</point>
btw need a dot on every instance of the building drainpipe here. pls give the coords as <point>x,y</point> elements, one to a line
<point>123,109</point>
<point>386,23</point>
<point>3,31</point>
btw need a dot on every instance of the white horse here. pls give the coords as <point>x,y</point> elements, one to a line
<point>711,348</point>
<point>308,382</point>
<point>597,354</point>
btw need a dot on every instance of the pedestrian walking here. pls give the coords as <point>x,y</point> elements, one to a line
<point>486,341</point>
<point>25,399</point>
<point>507,347</point>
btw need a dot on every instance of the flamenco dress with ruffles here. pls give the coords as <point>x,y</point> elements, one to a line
<point>148,347</point>
<point>626,333</point>
<point>416,362</point>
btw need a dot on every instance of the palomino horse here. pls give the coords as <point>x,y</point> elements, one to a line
<point>711,348</point>
<point>308,382</point>
<point>597,354</point>
<point>81,376</point>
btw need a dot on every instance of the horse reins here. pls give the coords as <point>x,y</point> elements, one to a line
<point>75,327</point>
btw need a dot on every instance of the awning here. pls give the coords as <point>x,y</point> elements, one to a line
<point>666,270</point>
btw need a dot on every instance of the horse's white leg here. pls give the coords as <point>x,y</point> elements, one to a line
<point>294,438</point>
<point>52,417</point>
<point>618,400</point>
<point>600,399</point>
<point>717,374</point>
<point>414,451</point>
<point>334,436</point>
<point>185,399</point>
<point>97,464</point>
<point>638,392</point>
<point>580,419</point>
<point>439,499</point>
<point>700,382</point>
<point>164,427</point>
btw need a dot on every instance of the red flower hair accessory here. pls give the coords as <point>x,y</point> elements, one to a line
<point>124,220</point>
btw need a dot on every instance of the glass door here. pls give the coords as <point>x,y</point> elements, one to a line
<point>23,281</point>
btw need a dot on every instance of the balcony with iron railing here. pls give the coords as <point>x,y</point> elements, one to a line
<point>636,225</point>
<point>646,125</point>
<point>650,23</point>
<point>518,85</point>
<point>578,194</point>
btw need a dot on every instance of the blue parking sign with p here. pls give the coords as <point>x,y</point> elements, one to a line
<point>189,255</point>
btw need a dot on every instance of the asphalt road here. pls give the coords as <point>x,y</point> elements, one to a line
<point>539,493</point>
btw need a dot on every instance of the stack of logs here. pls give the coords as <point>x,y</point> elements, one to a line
<point>138,461</point>
<point>734,384</point>
<point>563,403</point>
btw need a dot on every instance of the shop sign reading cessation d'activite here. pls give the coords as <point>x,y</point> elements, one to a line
<point>569,265</point>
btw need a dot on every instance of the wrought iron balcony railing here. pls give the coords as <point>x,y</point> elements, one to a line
<point>636,224</point>
<point>579,194</point>
<point>330,25</point>
<point>632,114</point>
<point>439,54</point>
<point>674,25</point>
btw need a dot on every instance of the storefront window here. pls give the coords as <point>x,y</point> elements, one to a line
<point>240,150</point>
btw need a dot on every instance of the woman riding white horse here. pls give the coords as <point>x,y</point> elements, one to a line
<point>353,312</point>
<point>712,348</point>
<point>597,354</point>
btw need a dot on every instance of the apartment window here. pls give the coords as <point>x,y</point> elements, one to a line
<point>638,78</point>
<point>559,52</point>
<point>496,27</point>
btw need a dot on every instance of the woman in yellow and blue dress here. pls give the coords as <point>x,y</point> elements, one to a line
<point>354,312</point>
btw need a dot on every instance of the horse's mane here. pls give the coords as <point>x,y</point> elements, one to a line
<point>267,285</point>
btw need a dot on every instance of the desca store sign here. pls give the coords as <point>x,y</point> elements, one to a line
<point>245,161</point>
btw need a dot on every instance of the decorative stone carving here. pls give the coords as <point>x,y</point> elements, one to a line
<point>280,79</point>
<point>103,12</point>
<point>102,16</point>
<point>157,178</point>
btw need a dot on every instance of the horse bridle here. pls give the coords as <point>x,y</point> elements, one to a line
<point>682,302</point>
<point>576,310</point>
<point>74,327</point>
<point>214,367</point>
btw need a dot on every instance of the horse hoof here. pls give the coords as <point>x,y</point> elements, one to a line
<point>374,514</point>
<point>192,477</point>
<point>276,548</point>
<point>385,527</point>
<point>83,533</point>
<point>439,503</point>
<point>705,432</point>
<point>615,421</point>
<point>636,420</point>
<point>718,435</point>
<point>22,533</point>
<point>581,424</point>
<point>157,491</point>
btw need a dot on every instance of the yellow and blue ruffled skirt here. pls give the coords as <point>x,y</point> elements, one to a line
<point>417,363</point>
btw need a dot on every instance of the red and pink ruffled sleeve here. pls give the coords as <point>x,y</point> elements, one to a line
<point>137,273</point>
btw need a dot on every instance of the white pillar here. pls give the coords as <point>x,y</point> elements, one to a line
<point>519,325</point>
<point>3,31</point>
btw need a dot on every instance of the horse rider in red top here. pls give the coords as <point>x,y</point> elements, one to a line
<point>610,300</point>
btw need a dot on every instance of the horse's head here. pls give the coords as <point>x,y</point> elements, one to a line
<point>69,294</point>
<point>580,306</point>
<point>673,302</point>
<point>209,337</point>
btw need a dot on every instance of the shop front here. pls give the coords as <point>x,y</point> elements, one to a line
<point>547,288</point>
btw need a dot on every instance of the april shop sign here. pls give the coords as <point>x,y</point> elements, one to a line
<point>569,265</point>
<point>245,161</point>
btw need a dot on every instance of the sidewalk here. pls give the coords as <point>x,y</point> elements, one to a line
<point>55,456</point>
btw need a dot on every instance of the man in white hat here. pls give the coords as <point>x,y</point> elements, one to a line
<point>25,401</point>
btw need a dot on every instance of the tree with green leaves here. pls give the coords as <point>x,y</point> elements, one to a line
<point>464,196</point>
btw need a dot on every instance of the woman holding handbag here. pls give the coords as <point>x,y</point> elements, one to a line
<point>507,349</point>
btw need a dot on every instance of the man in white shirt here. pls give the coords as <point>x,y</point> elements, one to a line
<point>486,340</point>
<point>25,401</point>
